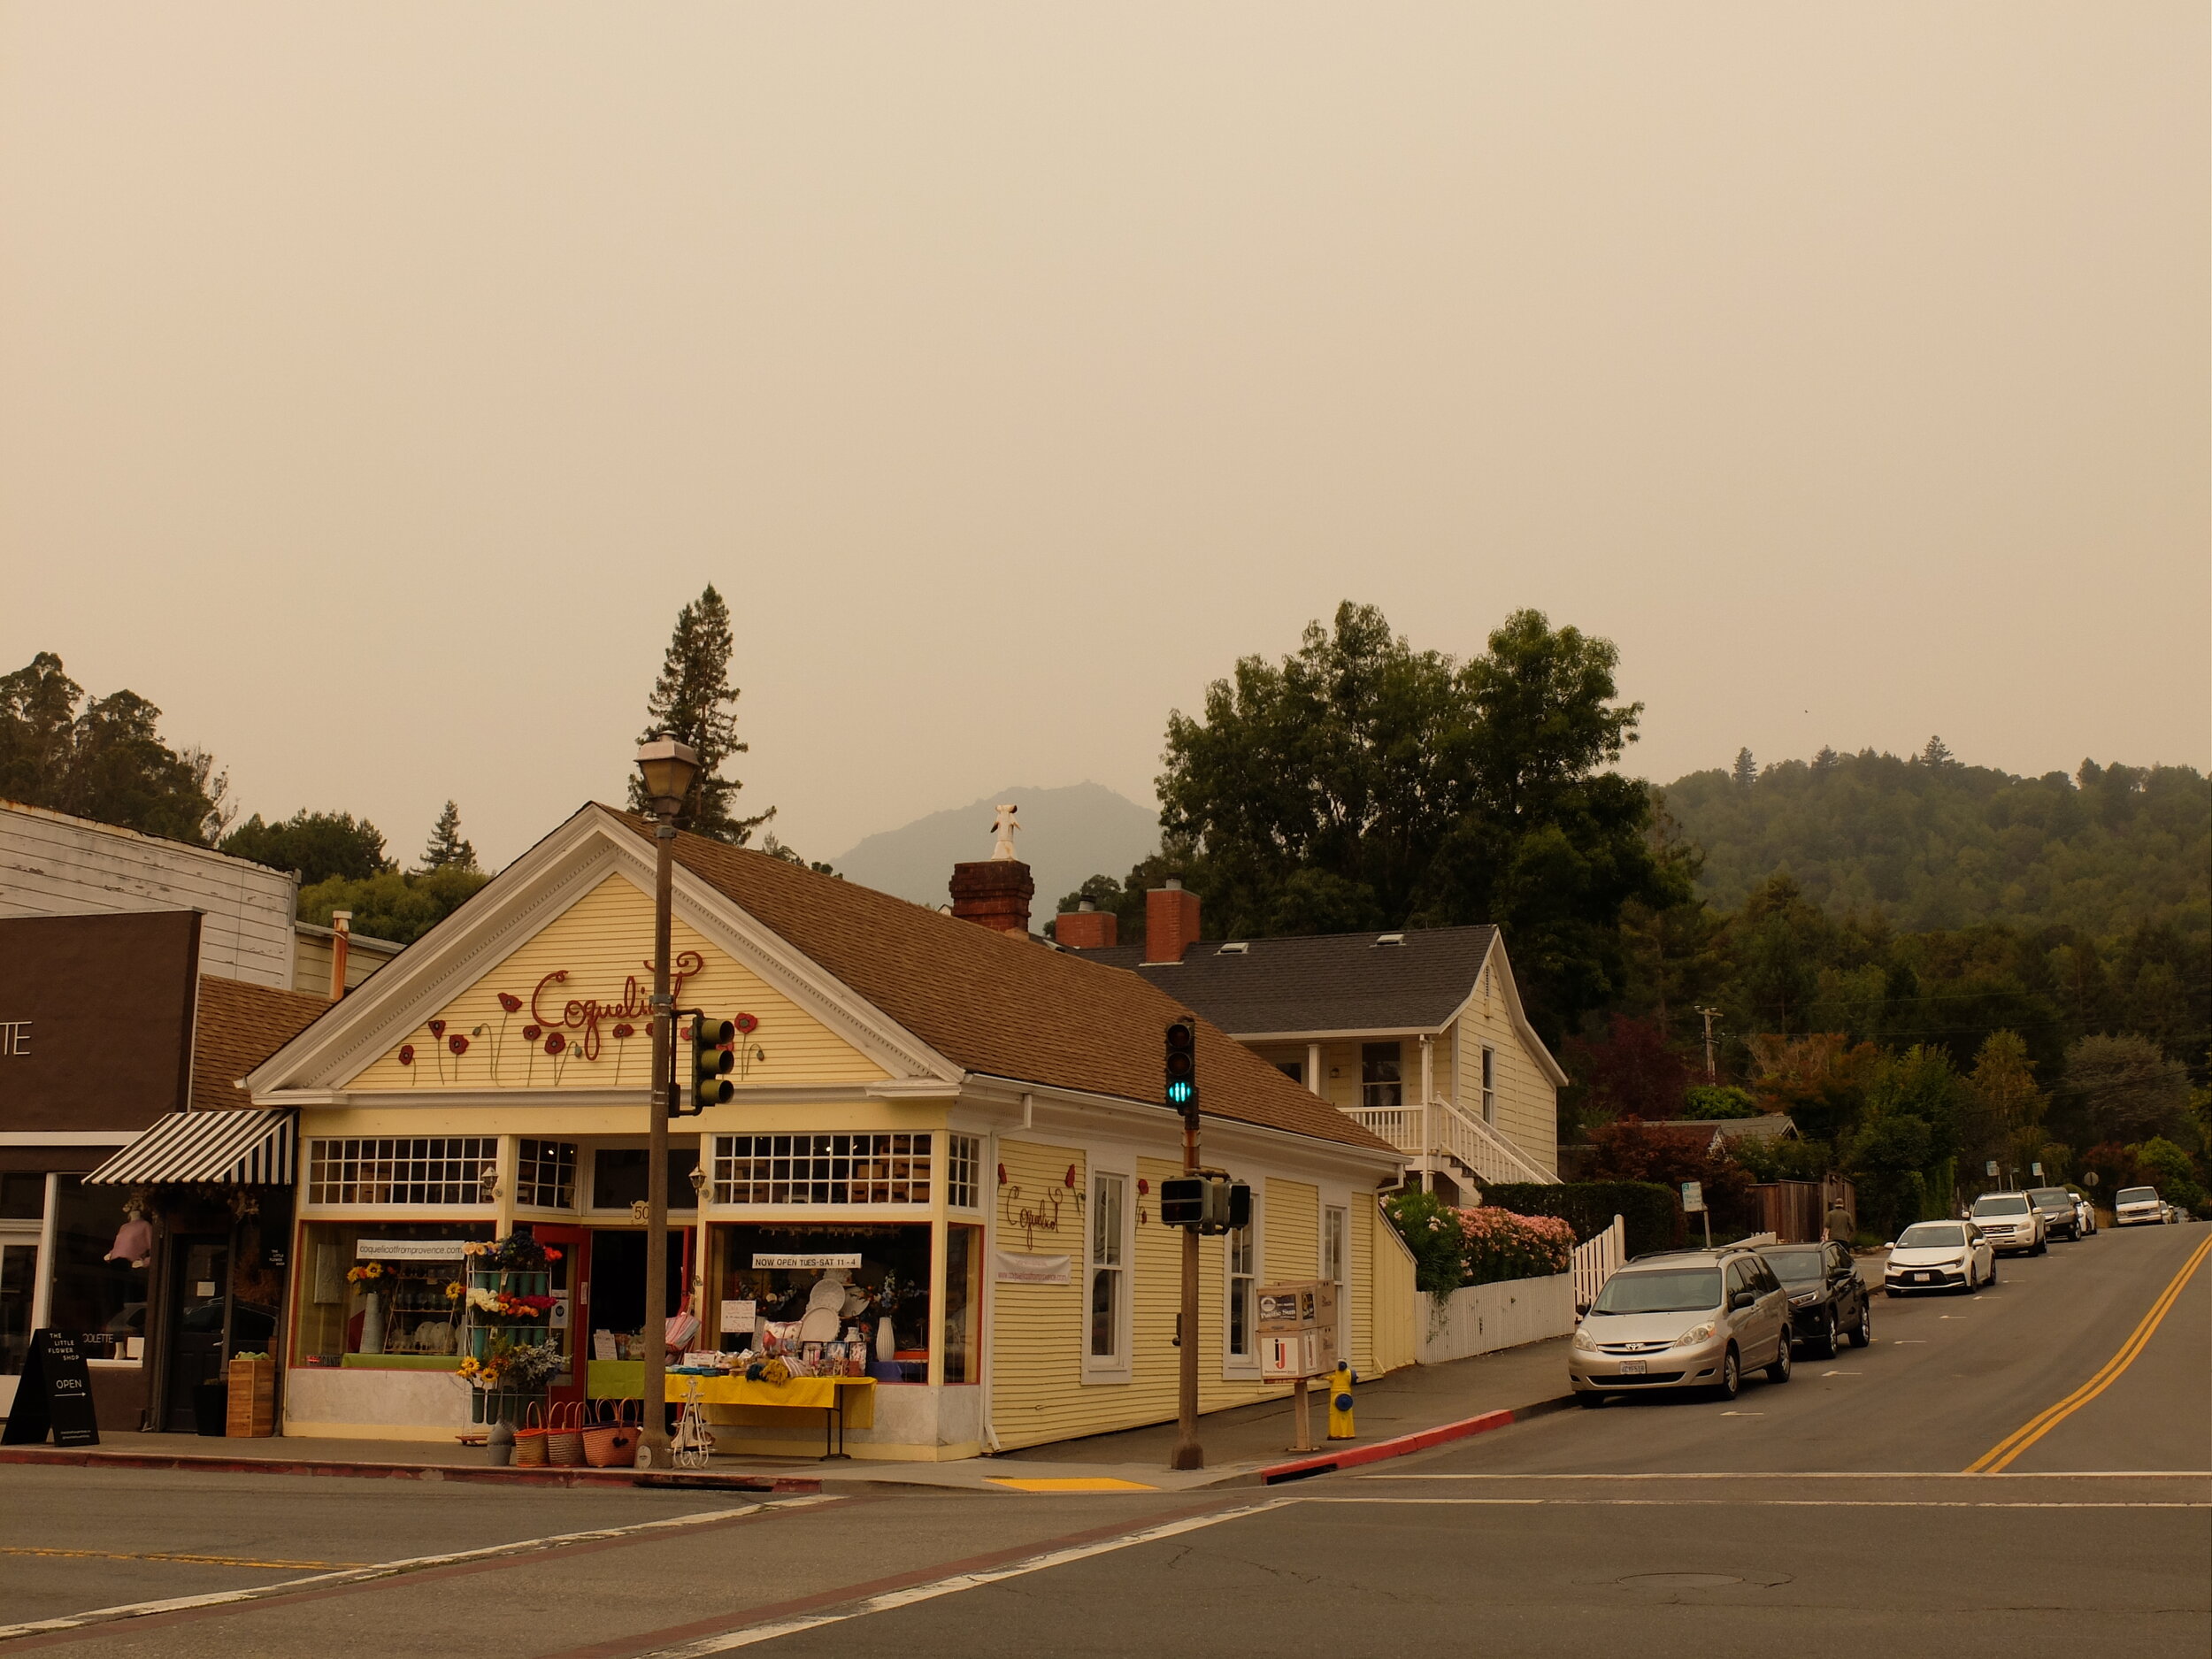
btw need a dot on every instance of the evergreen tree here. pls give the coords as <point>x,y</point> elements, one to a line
<point>105,761</point>
<point>693,703</point>
<point>1937,754</point>
<point>1747,772</point>
<point>448,847</point>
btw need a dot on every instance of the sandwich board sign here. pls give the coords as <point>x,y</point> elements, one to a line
<point>53,1394</point>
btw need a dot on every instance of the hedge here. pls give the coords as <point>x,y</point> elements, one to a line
<point>1651,1212</point>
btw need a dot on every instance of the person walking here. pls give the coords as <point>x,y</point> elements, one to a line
<point>1842,1228</point>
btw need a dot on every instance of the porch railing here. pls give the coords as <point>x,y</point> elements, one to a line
<point>1424,1130</point>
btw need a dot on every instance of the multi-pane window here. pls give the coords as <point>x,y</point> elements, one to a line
<point>963,1172</point>
<point>1380,1075</point>
<point>1108,1268</point>
<point>402,1170</point>
<point>545,1174</point>
<point>822,1169</point>
<point>1490,1085</point>
<point>1243,1255</point>
<point>1335,1252</point>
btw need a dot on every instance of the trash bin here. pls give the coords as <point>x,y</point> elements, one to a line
<point>211,1407</point>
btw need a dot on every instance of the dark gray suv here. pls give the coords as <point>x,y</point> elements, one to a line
<point>2055,1205</point>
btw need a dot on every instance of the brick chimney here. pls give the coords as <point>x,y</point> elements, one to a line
<point>1087,928</point>
<point>994,892</point>
<point>1170,921</point>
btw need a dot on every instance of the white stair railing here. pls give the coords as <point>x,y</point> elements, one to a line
<point>1597,1259</point>
<point>1441,1128</point>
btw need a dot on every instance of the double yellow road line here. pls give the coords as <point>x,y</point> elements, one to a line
<point>2000,1456</point>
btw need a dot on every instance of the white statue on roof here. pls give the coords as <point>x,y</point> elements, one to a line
<point>1005,826</point>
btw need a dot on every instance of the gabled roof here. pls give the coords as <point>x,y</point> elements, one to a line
<point>1766,1126</point>
<point>235,1027</point>
<point>1329,981</point>
<point>1000,1005</point>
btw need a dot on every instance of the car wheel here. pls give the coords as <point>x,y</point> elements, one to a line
<point>1731,1382</point>
<point>2042,1248</point>
<point>1993,1272</point>
<point>1831,1339</point>
<point>1862,1333</point>
<point>1590,1400</point>
<point>1779,1371</point>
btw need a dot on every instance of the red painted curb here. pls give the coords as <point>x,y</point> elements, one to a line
<point>1403,1445</point>
<point>492,1473</point>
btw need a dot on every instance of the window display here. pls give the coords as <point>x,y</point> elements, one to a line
<point>620,1173</point>
<point>383,1294</point>
<point>849,1284</point>
<point>963,1323</point>
<point>101,1302</point>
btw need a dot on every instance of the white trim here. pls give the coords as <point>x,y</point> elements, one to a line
<point>69,1137</point>
<point>1516,1015</point>
<point>1341,1202</point>
<point>1344,1035</point>
<point>43,1263</point>
<point>1122,1167</point>
<point>1245,1367</point>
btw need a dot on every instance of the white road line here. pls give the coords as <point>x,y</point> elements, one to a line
<point>953,1585</point>
<point>1839,1474</point>
<point>381,1570</point>
<point>1773,1503</point>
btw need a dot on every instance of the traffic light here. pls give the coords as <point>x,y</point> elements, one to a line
<point>712,1057</point>
<point>1183,1201</point>
<point>1182,1065</point>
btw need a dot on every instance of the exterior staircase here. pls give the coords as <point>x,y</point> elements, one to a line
<point>1438,1137</point>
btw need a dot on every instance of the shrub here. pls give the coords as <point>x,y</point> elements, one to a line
<point>1432,1233</point>
<point>1652,1213</point>
<point>1501,1244</point>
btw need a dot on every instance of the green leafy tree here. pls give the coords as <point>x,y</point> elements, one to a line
<point>2004,1109</point>
<point>693,703</point>
<point>1362,784</point>
<point>101,759</point>
<point>448,847</point>
<point>1720,1103</point>
<point>400,906</point>
<point>2171,1170</point>
<point>2123,1088</point>
<point>321,846</point>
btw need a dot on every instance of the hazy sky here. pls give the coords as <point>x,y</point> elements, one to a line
<point>377,380</point>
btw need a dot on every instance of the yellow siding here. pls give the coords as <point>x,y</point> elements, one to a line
<point>1290,1230</point>
<point>1392,1294</point>
<point>1363,1230</point>
<point>1528,1105</point>
<point>603,943</point>
<point>1037,1330</point>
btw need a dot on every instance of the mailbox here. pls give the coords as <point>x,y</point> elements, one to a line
<point>1297,1329</point>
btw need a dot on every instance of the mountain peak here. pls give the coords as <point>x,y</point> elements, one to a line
<point>1068,834</point>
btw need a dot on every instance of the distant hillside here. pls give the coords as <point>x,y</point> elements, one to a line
<point>1067,835</point>
<point>1930,843</point>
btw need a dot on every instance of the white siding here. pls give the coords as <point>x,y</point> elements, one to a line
<point>52,865</point>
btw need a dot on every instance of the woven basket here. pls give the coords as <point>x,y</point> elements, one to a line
<point>612,1444</point>
<point>564,1436</point>
<point>530,1447</point>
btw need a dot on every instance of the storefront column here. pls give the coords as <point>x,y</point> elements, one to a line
<point>42,1271</point>
<point>510,1166</point>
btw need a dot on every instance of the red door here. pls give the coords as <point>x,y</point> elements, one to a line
<point>572,1312</point>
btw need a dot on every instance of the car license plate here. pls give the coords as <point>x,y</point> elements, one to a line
<point>1635,1367</point>
<point>1923,1279</point>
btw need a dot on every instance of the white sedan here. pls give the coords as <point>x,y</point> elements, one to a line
<point>1940,1255</point>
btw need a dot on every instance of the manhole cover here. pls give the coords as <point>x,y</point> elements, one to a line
<point>1679,1580</point>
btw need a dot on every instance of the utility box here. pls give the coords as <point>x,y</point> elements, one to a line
<point>1297,1329</point>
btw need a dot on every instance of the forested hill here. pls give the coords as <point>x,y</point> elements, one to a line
<point>1930,843</point>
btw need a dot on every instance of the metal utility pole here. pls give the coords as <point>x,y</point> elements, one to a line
<point>1711,1074</point>
<point>1189,1453</point>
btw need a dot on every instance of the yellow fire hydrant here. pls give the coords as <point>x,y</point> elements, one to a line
<point>1340,1402</point>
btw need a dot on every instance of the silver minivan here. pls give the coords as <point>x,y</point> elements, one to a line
<point>1691,1319</point>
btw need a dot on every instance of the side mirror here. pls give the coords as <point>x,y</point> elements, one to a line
<point>1742,1298</point>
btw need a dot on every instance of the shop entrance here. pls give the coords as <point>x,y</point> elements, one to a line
<point>197,1317</point>
<point>570,1286</point>
<point>615,1292</point>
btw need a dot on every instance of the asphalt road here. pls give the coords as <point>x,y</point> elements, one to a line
<point>1821,1516</point>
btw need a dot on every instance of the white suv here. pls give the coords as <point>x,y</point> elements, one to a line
<point>2011,1223</point>
<point>2133,1204</point>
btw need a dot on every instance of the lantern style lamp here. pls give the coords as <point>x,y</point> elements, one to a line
<point>669,768</point>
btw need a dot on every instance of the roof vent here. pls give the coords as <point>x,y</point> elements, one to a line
<point>1237,949</point>
<point>1390,939</point>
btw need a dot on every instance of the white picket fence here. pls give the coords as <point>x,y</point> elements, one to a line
<point>1595,1261</point>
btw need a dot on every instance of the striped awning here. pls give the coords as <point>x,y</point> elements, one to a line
<point>250,1147</point>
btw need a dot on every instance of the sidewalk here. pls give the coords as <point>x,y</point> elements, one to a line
<point>1243,1445</point>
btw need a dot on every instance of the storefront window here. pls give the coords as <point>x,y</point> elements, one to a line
<point>963,1304</point>
<point>18,1264</point>
<point>22,1196</point>
<point>375,1293</point>
<point>403,1170</point>
<point>618,1177</point>
<point>101,1302</point>
<point>545,1174</point>
<point>828,1169</point>
<point>963,1172</point>
<point>786,1278</point>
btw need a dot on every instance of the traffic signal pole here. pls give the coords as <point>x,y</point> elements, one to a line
<point>653,1450</point>
<point>1189,1453</point>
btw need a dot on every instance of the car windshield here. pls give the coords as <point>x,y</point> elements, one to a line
<point>1932,1235</point>
<point>2052,1196</point>
<point>1656,1290</point>
<point>2001,1204</point>
<point>2136,1194</point>
<point>1795,1267</point>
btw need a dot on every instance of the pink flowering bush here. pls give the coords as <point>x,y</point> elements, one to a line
<point>1499,1245</point>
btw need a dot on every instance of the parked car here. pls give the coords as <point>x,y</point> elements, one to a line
<point>1689,1319</point>
<point>2010,1222</point>
<point>1940,1255</point>
<point>2131,1206</point>
<point>2085,1215</point>
<point>1827,1297</point>
<point>2055,1205</point>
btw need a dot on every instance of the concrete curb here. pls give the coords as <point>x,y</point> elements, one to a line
<point>1405,1445</point>
<point>703,1480</point>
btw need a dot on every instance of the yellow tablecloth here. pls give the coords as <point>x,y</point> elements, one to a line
<point>624,1379</point>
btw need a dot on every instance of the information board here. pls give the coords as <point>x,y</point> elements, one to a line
<point>53,1394</point>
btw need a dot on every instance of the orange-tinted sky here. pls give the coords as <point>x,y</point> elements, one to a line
<point>376,381</point>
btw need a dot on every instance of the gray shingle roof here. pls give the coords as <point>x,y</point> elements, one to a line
<point>1325,981</point>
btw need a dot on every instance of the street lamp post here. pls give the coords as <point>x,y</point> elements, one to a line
<point>669,768</point>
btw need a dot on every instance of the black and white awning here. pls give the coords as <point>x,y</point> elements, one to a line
<point>250,1147</point>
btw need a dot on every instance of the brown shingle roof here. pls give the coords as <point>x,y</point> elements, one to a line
<point>237,1026</point>
<point>1002,1005</point>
